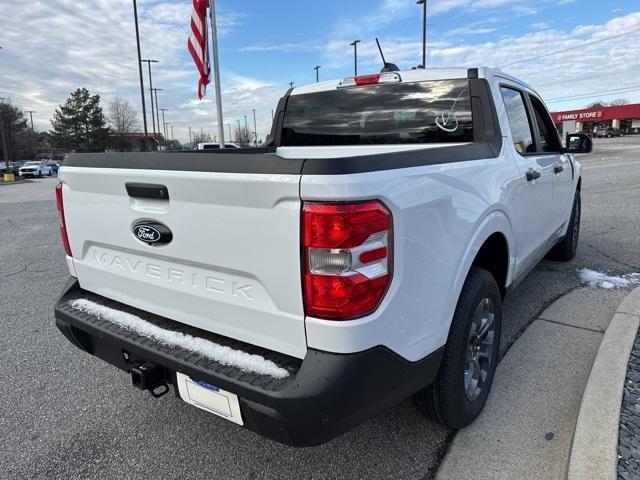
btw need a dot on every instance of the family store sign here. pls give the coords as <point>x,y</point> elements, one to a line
<point>595,115</point>
<point>599,114</point>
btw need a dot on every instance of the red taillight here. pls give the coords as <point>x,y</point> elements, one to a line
<point>347,258</point>
<point>367,79</point>
<point>63,223</point>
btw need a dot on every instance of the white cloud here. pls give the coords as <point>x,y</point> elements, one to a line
<point>92,44</point>
<point>469,30</point>
<point>540,25</point>
<point>524,7</point>
<point>283,47</point>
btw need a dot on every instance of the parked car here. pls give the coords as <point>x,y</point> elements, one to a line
<point>361,258</point>
<point>54,166</point>
<point>608,132</point>
<point>14,168</point>
<point>35,168</point>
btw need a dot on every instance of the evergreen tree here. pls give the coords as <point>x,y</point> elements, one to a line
<point>80,124</point>
<point>13,125</point>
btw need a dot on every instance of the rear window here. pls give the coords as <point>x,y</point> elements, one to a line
<point>421,112</point>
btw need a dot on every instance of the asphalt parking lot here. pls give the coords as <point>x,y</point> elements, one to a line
<point>64,414</point>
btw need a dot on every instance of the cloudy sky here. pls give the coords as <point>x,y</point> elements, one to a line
<point>51,47</point>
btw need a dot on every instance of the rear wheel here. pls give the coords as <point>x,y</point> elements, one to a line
<point>568,246</point>
<point>462,386</point>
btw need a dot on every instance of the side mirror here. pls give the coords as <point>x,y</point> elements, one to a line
<point>578,143</point>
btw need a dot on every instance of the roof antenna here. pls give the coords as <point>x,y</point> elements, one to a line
<point>388,67</point>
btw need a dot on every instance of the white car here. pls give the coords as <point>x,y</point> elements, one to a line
<point>361,258</point>
<point>36,168</point>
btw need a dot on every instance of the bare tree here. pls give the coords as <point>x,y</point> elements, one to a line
<point>598,104</point>
<point>244,138</point>
<point>123,120</point>
<point>619,102</point>
<point>199,137</point>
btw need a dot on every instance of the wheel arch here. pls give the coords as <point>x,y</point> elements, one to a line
<point>491,248</point>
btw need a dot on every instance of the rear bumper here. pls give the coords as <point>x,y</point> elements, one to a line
<point>325,395</point>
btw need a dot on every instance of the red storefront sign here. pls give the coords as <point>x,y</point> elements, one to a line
<point>598,114</point>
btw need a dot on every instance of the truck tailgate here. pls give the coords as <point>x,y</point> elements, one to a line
<point>232,266</point>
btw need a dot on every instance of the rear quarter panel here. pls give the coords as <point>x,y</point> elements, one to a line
<point>442,214</point>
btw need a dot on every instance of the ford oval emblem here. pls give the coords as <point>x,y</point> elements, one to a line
<point>152,233</point>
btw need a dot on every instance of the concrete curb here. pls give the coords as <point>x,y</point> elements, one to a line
<point>594,450</point>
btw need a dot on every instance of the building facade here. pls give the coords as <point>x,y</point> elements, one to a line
<point>624,117</point>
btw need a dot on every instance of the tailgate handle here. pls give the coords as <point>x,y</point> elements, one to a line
<point>147,190</point>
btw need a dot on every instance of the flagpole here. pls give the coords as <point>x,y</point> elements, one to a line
<point>216,70</point>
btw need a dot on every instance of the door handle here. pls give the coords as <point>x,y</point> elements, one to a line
<point>532,175</point>
<point>147,190</point>
<point>558,168</point>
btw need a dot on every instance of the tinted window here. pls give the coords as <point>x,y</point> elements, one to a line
<point>518,120</point>
<point>548,136</point>
<point>420,112</point>
<point>210,147</point>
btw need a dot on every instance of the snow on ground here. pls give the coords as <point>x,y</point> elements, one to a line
<point>602,280</point>
<point>220,353</point>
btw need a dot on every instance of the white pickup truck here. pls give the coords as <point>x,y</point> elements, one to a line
<point>361,258</point>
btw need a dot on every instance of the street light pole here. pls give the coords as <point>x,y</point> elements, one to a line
<point>424,31</point>
<point>31,112</point>
<point>172,137</point>
<point>5,151</point>
<point>216,70</point>
<point>144,108</point>
<point>230,136</point>
<point>153,118</point>
<point>32,142</point>
<point>163,123</point>
<point>354,44</point>
<point>255,129</point>
<point>317,69</point>
<point>238,127</point>
<point>155,91</point>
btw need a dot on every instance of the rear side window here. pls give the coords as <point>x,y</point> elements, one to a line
<point>547,134</point>
<point>518,120</point>
<point>420,112</point>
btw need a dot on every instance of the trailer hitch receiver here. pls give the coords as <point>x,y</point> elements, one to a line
<point>150,376</point>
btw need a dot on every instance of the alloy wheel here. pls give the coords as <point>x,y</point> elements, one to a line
<point>480,345</point>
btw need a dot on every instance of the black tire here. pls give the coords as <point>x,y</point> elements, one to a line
<point>447,400</point>
<point>566,249</point>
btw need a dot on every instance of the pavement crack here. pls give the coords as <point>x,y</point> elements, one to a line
<point>22,270</point>
<point>612,258</point>
<point>594,330</point>
<point>15,226</point>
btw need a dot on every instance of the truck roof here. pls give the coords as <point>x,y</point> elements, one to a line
<point>417,75</point>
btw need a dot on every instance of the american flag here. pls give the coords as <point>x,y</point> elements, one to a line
<point>199,45</point>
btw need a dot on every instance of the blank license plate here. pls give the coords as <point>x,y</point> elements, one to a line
<point>210,398</point>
